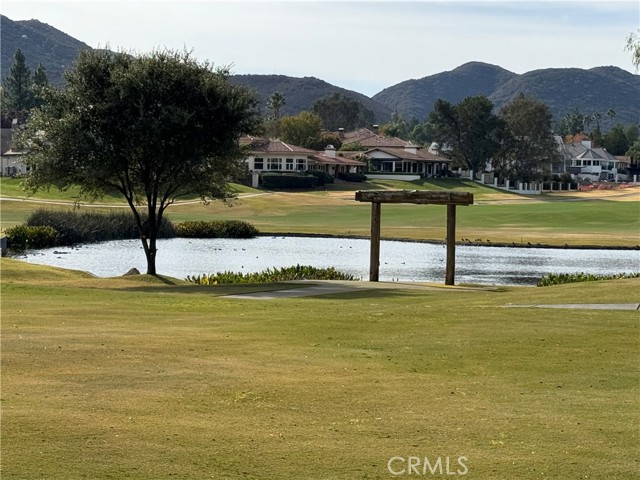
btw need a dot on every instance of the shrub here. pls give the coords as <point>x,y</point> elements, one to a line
<point>84,227</point>
<point>561,278</point>
<point>22,237</point>
<point>323,177</point>
<point>216,229</point>
<point>284,180</point>
<point>352,177</point>
<point>298,272</point>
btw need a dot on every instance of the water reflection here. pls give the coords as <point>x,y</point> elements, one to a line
<point>401,261</point>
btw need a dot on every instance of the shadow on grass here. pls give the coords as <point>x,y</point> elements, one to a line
<point>211,290</point>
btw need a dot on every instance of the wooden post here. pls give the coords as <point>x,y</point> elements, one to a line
<point>374,262</point>
<point>419,197</point>
<point>451,245</point>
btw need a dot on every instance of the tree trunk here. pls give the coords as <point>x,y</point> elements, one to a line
<point>151,254</point>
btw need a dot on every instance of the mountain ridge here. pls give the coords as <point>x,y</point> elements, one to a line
<point>40,43</point>
<point>563,90</point>
<point>597,89</point>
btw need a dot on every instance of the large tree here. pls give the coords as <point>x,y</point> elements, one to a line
<point>339,111</point>
<point>616,141</point>
<point>155,127</point>
<point>17,86</point>
<point>528,146</point>
<point>40,85</point>
<point>467,132</point>
<point>302,130</point>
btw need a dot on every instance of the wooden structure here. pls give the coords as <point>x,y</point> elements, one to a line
<point>421,197</point>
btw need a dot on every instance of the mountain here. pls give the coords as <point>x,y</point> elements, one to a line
<point>562,89</point>
<point>566,89</point>
<point>301,93</point>
<point>40,43</point>
<point>415,98</point>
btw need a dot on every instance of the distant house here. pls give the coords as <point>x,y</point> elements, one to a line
<point>268,155</point>
<point>276,156</point>
<point>334,164</point>
<point>11,161</point>
<point>584,161</point>
<point>394,155</point>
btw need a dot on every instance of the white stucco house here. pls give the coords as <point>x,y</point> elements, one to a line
<point>584,161</point>
<point>11,161</point>
<point>269,155</point>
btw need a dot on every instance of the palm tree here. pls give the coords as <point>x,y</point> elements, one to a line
<point>275,103</point>
<point>611,113</point>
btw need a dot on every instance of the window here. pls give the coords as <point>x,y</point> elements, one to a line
<point>258,164</point>
<point>289,164</point>
<point>274,164</point>
<point>300,163</point>
<point>596,163</point>
<point>578,163</point>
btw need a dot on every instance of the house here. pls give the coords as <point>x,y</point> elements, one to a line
<point>269,155</point>
<point>394,155</point>
<point>334,164</point>
<point>584,161</point>
<point>11,161</point>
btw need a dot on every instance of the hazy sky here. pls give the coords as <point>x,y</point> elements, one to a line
<point>360,45</point>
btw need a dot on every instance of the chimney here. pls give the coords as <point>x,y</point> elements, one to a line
<point>586,143</point>
<point>341,133</point>
<point>330,151</point>
<point>411,148</point>
<point>375,127</point>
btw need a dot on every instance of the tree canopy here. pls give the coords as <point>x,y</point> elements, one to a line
<point>527,140</point>
<point>467,132</point>
<point>339,111</point>
<point>154,127</point>
<point>17,90</point>
<point>302,130</point>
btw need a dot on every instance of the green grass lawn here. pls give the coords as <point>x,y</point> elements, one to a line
<point>141,378</point>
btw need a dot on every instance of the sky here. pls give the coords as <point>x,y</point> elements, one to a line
<point>364,46</point>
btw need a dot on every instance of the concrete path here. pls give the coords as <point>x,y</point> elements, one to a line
<point>314,288</point>
<point>585,306</point>
<point>323,289</point>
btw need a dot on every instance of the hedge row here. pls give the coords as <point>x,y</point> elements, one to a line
<point>298,272</point>
<point>323,177</point>
<point>216,229</point>
<point>288,180</point>
<point>352,177</point>
<point>49,228</point>
<point>561,278</point>
<point>85,227</point>
<point>23,237</point>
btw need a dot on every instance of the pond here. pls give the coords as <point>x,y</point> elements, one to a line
<point>399,261</point>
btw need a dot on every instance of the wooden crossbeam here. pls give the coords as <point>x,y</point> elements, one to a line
<point>420,197</point>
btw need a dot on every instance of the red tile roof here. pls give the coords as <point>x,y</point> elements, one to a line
<point>326,160</point>
<point>419,156</point>
<point>265,145</point>
<point>369,139</point>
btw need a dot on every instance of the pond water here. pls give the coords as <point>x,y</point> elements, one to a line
<point>400,261</point>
